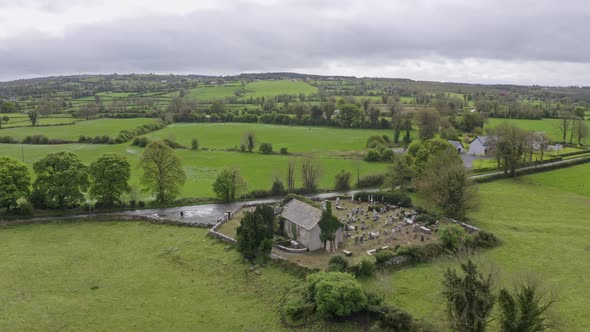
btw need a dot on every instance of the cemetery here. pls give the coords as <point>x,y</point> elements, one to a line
<point>369,226</point>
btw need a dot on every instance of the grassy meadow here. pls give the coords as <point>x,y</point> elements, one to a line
<point>543,222</point>
<point>297,139</point>
<point>96,127</point>
<point>131,277</point>
<point>548,126</point>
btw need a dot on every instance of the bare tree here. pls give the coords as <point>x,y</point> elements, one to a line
<point>564,124</point>
<point>581,131</point>
<point>291,175</point>
<point>310,172</point>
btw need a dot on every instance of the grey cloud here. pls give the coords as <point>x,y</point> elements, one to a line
<point>248,37</point>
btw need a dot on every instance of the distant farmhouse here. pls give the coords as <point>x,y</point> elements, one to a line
<point>458,146</point>
<point>482,145</point>
<point>300,223</point>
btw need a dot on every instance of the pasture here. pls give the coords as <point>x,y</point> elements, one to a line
<point>131,276</point>
<point>97,127</point>
<point>202,167</point>
<point>548,126</point>
<point>297,139</point>
<point>543,223</point>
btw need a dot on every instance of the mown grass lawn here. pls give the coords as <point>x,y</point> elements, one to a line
<point>295,138</point>
<point>202,167</point>
<point>97,127</point>
<point>543,222</point>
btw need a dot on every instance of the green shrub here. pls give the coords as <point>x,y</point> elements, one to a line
<point>427,218</point>
<point>296,307</point>
<point>423,253</point>
<point>365,268</point>
<point>171,143</point>
<point>382,257</point>
<point>451,236</point>
<point>278,188</point>
<point>391,318</point>
<point>342,180</point>
<point>194,144</point>
<point>371,181</point>
<point>372,155</point>
<point>336,294</point>
<point>24,207</point>
<point>338,264</point>
<point>284,150</point>
<point>141,141</point>
<point>376,142</point>
<point>243,147</point>
<point>387,155</point>
<point>265,148</point>
<point>483,239</point>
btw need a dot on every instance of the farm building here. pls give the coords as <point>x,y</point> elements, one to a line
<point>481,145</point>
<point>301,224</point>
<point>458,146</point>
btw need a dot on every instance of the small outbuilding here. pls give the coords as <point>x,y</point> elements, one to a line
<point>300,223</point>
<point>458,146</point>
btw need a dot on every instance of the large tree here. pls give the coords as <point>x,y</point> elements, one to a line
<point>61,179</point>
<point>446,184</point>
<point>581,131</point>
<point>428,122</point>
<point>109,175</point>
<point>228,185</point>
<point>255,233</point>
<point>469,298</point>
<point>33,117</point>
<point>512,143</point>
<point>14,182</point>
<point>163,174</point>
<point>350,116</point>
<point>399,174</point>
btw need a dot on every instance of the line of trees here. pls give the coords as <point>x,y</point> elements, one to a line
<point>62,180</point>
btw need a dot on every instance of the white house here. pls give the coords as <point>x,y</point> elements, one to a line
<point>458,146</point>
<point>301,224</point>
<point>481,145</point>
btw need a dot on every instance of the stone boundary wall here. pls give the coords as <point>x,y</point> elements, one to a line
<point>467,227</point>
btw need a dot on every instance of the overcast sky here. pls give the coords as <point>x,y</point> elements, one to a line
<point>497,41</point>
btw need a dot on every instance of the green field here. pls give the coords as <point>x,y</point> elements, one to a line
<point>280,87</point>
<point>295,138</point>
<point>543,222</point>
<point>131,276</point>
<point>98,127</point>
<point>201,166</point>
<point>22,120</point>
<point>548,126</point>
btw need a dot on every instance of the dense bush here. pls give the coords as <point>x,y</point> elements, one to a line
<point>365,268</point>
<point>36,139</point>
<point>371,181</point>
<point>427,218</point>
<point>278,188</point>
<point>342,181</point>
<point>372,155</point>
<point>452,236</point>
<point>423,253</point>
<point>335,294</point>
<point>8,139</point>
<point>382,257</point>
<point>297,308</point>
<point>284,150</point>
<point>265,148</point>
<point>173,144</point>
<point>140,141</point>
<point>387,155</point>
<point>338,264</point>
<point>392,319</point>
<point>483,239</point>
<point>194,144</point>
